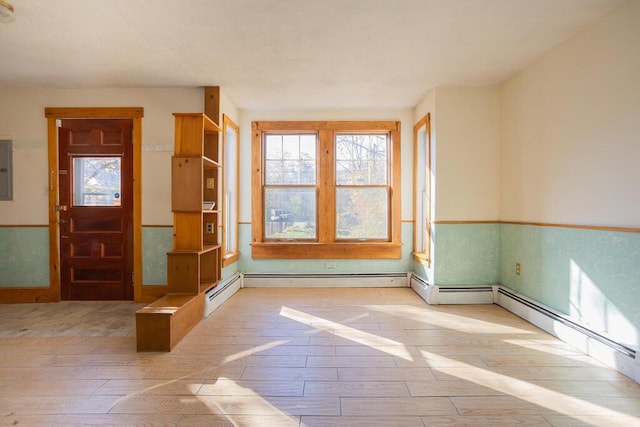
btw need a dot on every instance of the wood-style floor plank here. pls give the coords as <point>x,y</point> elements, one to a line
<point>303,358</point>
<point>156,420</point>
<point>50,387</point>
<point>274,406</point>
<point>397,406</point>
<point>494,420</point>
<point>239,421</point>
<point>355,388</point>
<point>382,421</point>
<point>227,387</point>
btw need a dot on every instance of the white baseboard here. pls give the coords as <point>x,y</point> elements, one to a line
<point>624,359</point>
<point>434,294</point>
<point>373,280</point>
<point>217,296</point>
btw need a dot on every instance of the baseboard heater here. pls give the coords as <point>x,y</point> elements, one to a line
<point>423,288</point>
<point>325,280</point>
<point>458,294</point>
<point>600,347</point>
<point>217,296</point>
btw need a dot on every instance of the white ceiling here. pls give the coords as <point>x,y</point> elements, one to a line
<point>269,54</point>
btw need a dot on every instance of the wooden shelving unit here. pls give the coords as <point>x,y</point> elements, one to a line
<point>195,264</point>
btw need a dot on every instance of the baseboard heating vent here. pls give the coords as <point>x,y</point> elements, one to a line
<point>465,294</point>
<point>459,294</point>
<point>215,297</point>
<point>328,280</point>
<point>465,289</point>
<point>427,291</point>
<point>595,344</point>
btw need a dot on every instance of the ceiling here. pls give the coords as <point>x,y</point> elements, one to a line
<point>277,54</point>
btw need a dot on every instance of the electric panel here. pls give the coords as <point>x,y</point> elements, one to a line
<point>6,170</point>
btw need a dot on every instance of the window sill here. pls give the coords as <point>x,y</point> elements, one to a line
<point>421,258</point>
<point>304,250</point>
<point>230,258</point>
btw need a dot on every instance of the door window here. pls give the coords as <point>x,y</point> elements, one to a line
<point>97,181</point>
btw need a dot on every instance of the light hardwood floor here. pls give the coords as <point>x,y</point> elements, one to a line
<point>303,357</point>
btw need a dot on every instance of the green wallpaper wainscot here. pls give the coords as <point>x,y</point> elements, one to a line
<point>156,242</point>
<point>466,254</point>
<point>25,257</point>
<point>591,275</point>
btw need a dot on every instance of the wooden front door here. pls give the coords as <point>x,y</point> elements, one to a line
<point>96,205</point>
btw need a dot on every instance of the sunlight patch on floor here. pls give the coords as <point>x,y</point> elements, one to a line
<point>443,319</point>
<point>341,330</point>
<point>246,353</point>
<point>527,391</point>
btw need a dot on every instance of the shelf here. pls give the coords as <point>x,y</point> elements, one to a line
<point>205,249</point>
<point>195,264</point>
<point>192,184</point>
<point>187,270</point>
<point>196,135</point>
<point>204,287</point>
<point>210,164</point>
<point>209,125</point>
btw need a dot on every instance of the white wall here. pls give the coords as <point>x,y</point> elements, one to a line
<point>406,136</point>
<point>228,108</point>
<point>426,105</point>
<point>22,119</point>
<point>467,143</point>
<point>571,129</point>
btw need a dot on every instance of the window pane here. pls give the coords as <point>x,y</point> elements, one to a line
<point>96,181</point>
<point>274,172</point>
<point>231,184</point>
<point>273,147</point>
<point>230,225</point>
<point>361,159</point>
<point>290,213</point>
<point>291,146</point>
<point>308,147</point>
<point>291,174</point>
<point>307,172</point>
<point>420,186</point>
<point>290,159</point>
<point>362,213</point>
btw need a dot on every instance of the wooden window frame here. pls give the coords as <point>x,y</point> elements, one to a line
<point>326,246</point>
<point>422,257</point>
<point>229,258</point>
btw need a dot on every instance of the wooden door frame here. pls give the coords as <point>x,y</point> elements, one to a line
<point>55,114</point>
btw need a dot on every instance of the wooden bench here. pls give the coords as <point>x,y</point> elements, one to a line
<point>163,323</point>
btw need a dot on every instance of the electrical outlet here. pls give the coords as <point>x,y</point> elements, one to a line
<point>211,183</point>
<point>208,227</point>
<point>517,268</point>
<point>330,265</point>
